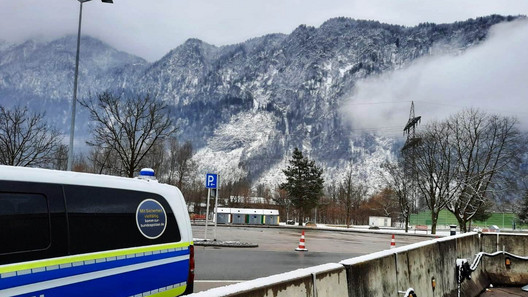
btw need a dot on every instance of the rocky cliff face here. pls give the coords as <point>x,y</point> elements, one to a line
<point>246,106</point>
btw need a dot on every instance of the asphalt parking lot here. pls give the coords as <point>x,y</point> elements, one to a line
<point>317,240</point>
<point>219,266</point>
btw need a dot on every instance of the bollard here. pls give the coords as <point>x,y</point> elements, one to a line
<point>452,229</point>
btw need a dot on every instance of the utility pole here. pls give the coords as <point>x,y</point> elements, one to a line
<point>409,153</point>
<point>75,77</point>
<point>410,130</point>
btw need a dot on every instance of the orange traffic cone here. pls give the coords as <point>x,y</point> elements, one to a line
<point>301,247</point>
<point>393,242</point>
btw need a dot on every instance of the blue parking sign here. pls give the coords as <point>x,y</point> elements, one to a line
<point>210,180</point>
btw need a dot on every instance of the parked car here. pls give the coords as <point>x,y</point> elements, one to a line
<point>494,228</point>
<point>290,222</point>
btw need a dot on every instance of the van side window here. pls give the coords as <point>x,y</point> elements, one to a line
<point>24,222</point>
<point>102,219</point>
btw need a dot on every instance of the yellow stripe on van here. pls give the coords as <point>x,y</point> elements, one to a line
<point>90,256</point>
<point>171,293</point>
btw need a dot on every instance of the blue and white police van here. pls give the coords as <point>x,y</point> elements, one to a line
<point>77,234</point>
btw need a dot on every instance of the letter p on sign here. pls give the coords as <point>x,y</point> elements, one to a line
<point>210,180</point>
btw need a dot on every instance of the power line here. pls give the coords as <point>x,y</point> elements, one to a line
<point>378,128</point>
<point>471,106</point>
<point>440,104</point>
<point>381,102</point>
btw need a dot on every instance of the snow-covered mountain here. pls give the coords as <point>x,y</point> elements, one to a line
<point>246,106</point>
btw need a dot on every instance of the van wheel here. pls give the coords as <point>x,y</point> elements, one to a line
<point>189,289</point>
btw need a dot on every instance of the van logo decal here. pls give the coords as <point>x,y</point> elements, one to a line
<point>151,218</point>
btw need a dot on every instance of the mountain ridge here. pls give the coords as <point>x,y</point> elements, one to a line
<point>246,106</point>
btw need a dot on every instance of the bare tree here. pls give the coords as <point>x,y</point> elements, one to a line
<point>195,194</point>
<point>128,126</point>
<point>383,204</point>
<point>522,211</point>
<point>485,147</point>
<point>351,192</point>
<point>522,205</point>
<point>60,157</point>
<point>104,160</point>
<point>464,162</point>
<point>180,165</point>
<point>401,185</point>
<point>156,158</point>
<point>80,164</point>
<point>26,139</point>
<point>284,203</point>
<point>436,169</point>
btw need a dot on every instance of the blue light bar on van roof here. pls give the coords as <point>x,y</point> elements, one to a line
<point>146,172</point>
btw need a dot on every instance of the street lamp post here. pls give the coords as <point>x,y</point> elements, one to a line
<point>75,77</point>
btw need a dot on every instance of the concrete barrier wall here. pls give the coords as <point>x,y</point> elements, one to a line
<point>512,243</point>
<point>318,281</point>
<point>386,273</point>
<point>414,266</point>
<point>467,248</point>
<point>496,269</point>
<point>371,276</point>
<point>419,267</point>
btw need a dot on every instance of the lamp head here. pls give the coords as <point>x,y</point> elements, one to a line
<point>105,1</point>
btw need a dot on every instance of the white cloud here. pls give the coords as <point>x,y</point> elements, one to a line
<point>491,76</point>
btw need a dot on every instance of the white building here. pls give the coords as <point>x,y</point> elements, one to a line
<point>380,221</point>
<point>247,216</point>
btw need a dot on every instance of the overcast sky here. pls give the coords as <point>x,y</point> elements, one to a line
<point>152,28</point>
<point>491,76</point>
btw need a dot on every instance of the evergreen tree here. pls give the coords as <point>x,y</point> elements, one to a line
<point>304,183</point>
